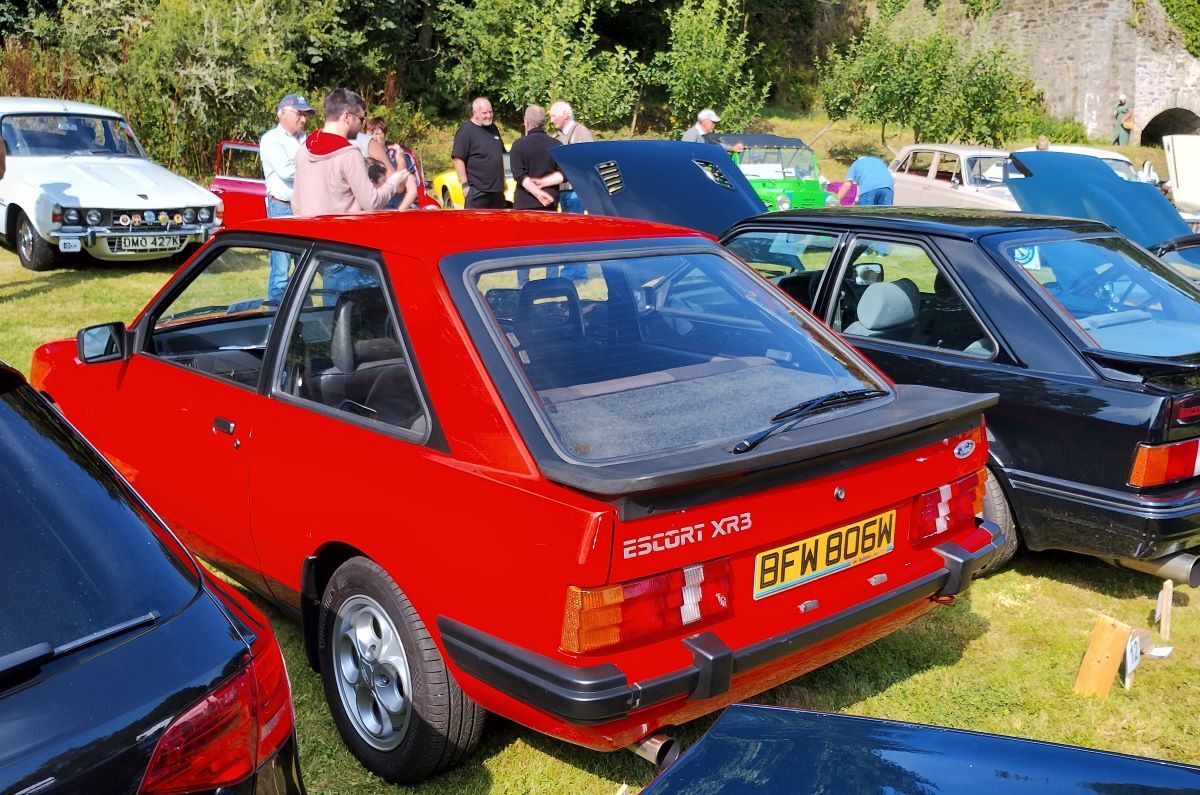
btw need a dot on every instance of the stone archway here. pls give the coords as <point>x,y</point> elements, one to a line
<point>1173,121</point>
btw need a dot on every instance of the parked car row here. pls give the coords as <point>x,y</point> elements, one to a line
<point>631,416</point>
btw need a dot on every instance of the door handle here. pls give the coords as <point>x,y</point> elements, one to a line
<point>222,425</point>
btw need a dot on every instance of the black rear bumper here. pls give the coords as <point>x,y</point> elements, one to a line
<point>601,693</point>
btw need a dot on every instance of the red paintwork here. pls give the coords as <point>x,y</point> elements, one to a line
<point>245,199</point>
<point>478,535</point>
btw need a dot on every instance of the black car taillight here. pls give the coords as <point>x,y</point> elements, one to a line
<point>224,737</point>
<point>1185,410</point>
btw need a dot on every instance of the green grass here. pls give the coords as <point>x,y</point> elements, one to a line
<point>1003,659</point>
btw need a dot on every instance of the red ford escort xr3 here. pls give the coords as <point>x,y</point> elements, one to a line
<point>594,475</point>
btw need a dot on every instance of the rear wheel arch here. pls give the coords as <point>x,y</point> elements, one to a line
<point>315,574</point>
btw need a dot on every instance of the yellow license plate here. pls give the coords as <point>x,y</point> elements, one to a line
<point>809,558</point>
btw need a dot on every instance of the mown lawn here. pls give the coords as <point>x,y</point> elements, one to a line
<point>1002,659</point>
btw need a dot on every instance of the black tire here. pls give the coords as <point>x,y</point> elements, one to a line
<point>442,725</point>
<point>32,250</point>
<point>996,509</point>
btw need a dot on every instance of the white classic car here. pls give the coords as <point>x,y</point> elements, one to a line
<point>78,180</point>
<point>951,175</point>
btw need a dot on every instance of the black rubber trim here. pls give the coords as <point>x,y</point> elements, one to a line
<point>601,693</point>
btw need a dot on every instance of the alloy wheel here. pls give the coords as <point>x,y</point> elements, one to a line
<point>373,679</point>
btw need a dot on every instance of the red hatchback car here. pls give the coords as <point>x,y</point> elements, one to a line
<point>594,475</point>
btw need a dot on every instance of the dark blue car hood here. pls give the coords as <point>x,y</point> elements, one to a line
<point>755,749</point>
<point>693,185</point>
<point>1078,186</point>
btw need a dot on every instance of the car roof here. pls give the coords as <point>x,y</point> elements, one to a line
<point>40,105</point>
<point>955,149</point>
<point>1089,151</point>
<point>951,221</point>
<point>435,234</point>
<point>763,139</point>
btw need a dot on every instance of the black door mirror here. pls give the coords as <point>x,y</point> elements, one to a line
<point>106,343</point>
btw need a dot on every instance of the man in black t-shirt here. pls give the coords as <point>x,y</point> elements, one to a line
<point>478,155</point>
<point>533,165</point>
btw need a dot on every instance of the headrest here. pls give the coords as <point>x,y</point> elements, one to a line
<point>358,315</point>
<point>885,305</point>
<point>549,308</point>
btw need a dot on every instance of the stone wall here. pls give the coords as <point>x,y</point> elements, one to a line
<point>1083,53</point>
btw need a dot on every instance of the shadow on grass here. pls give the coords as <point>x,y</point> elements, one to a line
<point>36,284</point>
<point>935,640</point>
<point>1093,574</point>
<point>847,153</point>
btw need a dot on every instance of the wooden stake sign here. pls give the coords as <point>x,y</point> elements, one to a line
<point>1105,653</point>
<point>1162,610</point>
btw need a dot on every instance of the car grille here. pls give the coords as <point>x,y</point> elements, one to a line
<point>143,220</point>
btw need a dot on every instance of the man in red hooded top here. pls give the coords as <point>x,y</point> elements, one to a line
<point>331,174</point>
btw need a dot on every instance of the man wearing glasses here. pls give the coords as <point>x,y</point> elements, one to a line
<point>277,152</point>
<point>331,174</point>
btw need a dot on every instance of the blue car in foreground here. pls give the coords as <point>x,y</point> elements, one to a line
<point>766,750</point>
<point>1092,342</point>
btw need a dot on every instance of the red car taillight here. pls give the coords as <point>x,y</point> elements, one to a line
<point>949,509</point>
<point>1157,464</point>
<point>600,617</point>
<point>1185,410</point>
<point>223,738</point>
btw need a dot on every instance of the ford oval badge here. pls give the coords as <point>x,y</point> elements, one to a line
<point>964,449</point>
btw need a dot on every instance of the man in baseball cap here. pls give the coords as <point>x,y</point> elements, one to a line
<point>277,153</point>
<point>702,131</point>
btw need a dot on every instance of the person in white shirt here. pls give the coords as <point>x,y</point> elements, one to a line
<point>569,132</point>
<point>277,152</point>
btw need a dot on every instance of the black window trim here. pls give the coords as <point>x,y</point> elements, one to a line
<point>583,253</point>
<point>290,310</point>
<point>939,262</point>
<point>144,328</point>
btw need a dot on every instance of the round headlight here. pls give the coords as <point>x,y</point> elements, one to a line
<point>204,215</point>
<point>782,202</point>
<point>71,217</point>
<point>189,216</point>
<point>94,217</point>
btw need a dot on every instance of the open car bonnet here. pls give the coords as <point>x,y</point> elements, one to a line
<point>1076,186</point>
<point>697,186</point>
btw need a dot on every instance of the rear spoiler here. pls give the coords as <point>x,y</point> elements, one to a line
<point>1145,366</point>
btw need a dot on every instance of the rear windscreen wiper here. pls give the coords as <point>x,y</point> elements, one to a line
<point>790,416</point>
<point>35,656</point>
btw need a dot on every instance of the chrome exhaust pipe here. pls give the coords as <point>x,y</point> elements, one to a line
<point>1181,567</point>
<point>659,750</point>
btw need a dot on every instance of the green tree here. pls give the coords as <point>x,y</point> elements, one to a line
<point>520,52</point>
<point>919,73</point>
<point>707,64</point>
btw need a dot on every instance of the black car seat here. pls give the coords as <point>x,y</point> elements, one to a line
<point>549,334</point>
<point>369,376</point>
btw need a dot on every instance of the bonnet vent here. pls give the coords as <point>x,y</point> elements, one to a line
<point>715,174</point>
<point>610,175</point>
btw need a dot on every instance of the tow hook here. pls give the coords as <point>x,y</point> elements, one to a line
<point>943,600</point>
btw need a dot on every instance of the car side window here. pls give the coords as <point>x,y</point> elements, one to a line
<point>919,163</point>
<point>947,169</point>
<point>793,260</point>
<point>220,323</point>
<point>895,291</point>
<point>344,349</point>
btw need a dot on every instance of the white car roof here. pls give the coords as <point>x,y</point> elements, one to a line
<point>961,150</point>
<point>39,105</point>
<point>1088,151</point>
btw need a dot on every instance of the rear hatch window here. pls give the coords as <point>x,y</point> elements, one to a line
<point>631,357</point>
<point>77,553</point>
<point>1117,297</point>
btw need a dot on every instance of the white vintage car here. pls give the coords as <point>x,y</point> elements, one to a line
<point>78,180</point>
<point>951,175</point>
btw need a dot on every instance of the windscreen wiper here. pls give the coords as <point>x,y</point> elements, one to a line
<point>790,416</point>
<point>38,654</point>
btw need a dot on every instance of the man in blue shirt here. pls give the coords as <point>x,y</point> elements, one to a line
<point>873,179</point>
<point>277,151</point>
